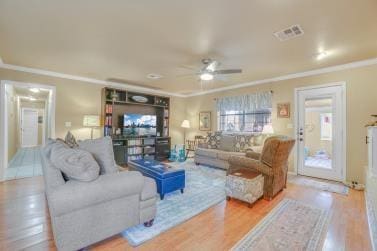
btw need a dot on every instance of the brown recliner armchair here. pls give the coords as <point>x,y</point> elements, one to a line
<point>272,163</point>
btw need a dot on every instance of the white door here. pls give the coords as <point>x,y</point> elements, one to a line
<point>29,127</point>
<point>321,132</point>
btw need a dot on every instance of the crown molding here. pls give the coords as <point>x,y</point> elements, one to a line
<point>330,69</point>
<point>319,71</point>
<point>87,80</point>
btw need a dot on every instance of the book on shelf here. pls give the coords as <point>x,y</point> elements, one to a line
<point>108,120</point>
<point>109,108</point>
<point>166,113</point>
<point>135,150</point>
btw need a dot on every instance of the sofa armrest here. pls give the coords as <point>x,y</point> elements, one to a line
<point>237,162</point>
<point>253,155</point>
<point>75,195</point>
<point>203,145</point>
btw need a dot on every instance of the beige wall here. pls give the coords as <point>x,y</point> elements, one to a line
<point>361,103</point>
<point>74,99</point>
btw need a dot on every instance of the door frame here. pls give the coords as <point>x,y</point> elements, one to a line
<point>343,108</point>
<point>22,121</point>
<point>4,117</point>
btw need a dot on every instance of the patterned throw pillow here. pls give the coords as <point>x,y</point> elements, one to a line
<point>213,139</point>
<point>70,140</point>
<point>243,142</point>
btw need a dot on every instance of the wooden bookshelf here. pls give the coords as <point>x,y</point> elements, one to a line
<point>116,103</point>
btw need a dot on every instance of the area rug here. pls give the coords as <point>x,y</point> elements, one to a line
<point>324,185</point>
<point>204,188</point>
<point>291,225</point>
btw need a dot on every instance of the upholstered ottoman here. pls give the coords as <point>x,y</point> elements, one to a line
<point>245,185</point>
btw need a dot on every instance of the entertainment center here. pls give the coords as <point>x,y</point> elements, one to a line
<point>138,124</point>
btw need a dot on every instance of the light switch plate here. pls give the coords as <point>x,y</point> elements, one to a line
<point>289,126</point>
<point>68,124</point>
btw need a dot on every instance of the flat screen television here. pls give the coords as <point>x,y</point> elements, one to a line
<point>139,125</point>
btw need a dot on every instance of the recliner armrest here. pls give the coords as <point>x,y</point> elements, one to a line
<point>236,162</point>
<point>75,195</point>
<point>253,155</point>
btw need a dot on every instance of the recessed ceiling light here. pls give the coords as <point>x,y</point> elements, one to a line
<point>154,76</point>
<point>321,55</point>
<point>206,76</point>
<point>35,90</point>
<point>32,99</point>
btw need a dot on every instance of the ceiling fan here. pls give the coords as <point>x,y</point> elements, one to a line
<point>210,70</point>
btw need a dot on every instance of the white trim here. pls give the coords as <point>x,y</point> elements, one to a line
<point>344,123</point>
<point>352,65</point>
<point>3,135</point>
<point>4,122</point>
<point>85,79</point>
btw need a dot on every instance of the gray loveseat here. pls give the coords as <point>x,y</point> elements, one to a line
<point>219,147</point>
<point>83,213</point>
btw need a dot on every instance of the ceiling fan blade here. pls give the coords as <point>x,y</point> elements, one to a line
<point>212,66</point>
<point>229,71</point>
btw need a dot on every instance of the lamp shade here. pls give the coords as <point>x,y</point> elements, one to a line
<point>91,121</point>
<point>268,129</point>
<point>185,124</point>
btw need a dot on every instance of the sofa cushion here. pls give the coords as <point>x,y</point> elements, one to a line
<point>226,155</point>
<point>76,164</point>
<point>211,153</point>
<point>227,143</point>
<point>102,150</point>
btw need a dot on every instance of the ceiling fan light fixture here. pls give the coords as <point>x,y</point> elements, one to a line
<point>206,76</point>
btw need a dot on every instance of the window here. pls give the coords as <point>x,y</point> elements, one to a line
<point>247,113</point>
<point>326,126</point>
<point>242,121</point>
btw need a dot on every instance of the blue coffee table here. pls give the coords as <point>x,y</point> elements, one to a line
<point>168,179</point>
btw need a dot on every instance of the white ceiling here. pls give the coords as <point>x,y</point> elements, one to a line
<point>126,40</point>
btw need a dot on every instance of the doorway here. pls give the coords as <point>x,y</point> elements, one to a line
<point>29,127</point>
<point>27,120</point>
<point>321,131</point>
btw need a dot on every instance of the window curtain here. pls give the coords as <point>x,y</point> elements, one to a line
<point>246,103</point>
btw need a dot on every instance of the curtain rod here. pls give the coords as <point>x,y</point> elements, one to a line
<point>271,91</point>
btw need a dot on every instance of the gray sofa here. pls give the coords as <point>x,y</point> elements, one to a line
<point>83,213</point>
<point>219,147</point>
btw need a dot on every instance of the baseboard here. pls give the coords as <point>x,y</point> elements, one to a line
<point>292,173</point>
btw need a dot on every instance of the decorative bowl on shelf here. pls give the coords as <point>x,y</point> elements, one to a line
<point>139,99</point>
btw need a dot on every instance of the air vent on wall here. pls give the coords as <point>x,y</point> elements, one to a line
<point>289,33</point>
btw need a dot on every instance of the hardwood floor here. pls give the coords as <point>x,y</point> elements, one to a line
<point>25,224</point>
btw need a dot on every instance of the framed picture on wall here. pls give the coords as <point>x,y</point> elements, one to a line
<point>205,121</point>
<point>284,110</point>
